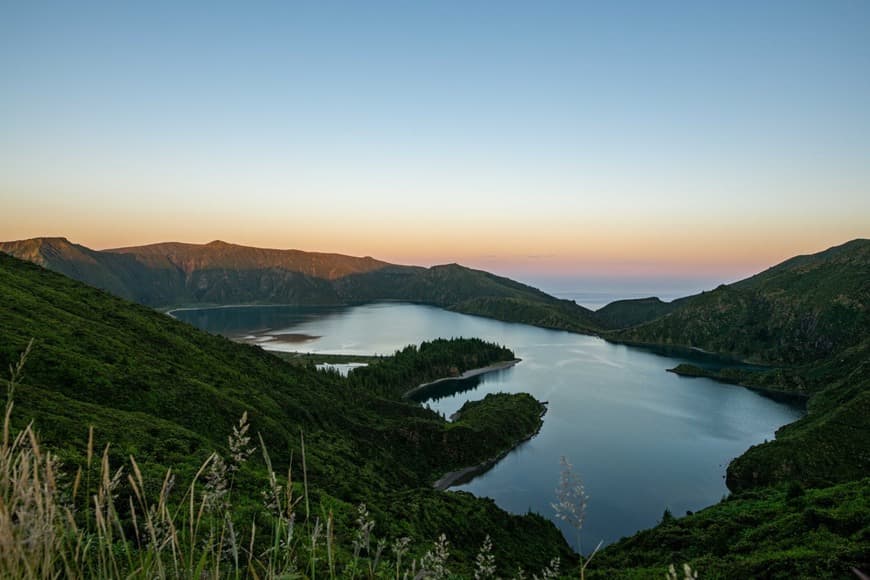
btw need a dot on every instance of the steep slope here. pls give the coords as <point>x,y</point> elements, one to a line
<point>831,444</point>
<point>107,271</point>
<point>174,274</point>
<point>169,394</point>
<point>804,309</point>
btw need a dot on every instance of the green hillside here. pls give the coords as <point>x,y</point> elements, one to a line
<point>802,310</point>
<point>831,444</point>
<point>170,394</point>
<point>777,533</point>
<point>628,313</point>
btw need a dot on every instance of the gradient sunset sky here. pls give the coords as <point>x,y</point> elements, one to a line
<point>685,141</point>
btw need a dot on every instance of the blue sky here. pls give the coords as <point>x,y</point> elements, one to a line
<point>537,138</point>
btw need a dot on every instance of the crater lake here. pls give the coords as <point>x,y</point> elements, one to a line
<point>642,439</point>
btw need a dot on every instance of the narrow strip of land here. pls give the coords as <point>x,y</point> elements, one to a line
<point>466,375</point>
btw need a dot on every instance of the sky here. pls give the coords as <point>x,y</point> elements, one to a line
<point>580,145</point>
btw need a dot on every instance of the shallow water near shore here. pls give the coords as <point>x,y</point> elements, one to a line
<point>642,439</point>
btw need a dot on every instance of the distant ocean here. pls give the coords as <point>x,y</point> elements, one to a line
<point>596,293</point>
<point>596,300</point>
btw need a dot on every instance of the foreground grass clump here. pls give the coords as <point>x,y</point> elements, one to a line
<point>112,522</point>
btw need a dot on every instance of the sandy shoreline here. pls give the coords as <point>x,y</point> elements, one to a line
<point>466,375</point>
<point>290,337</point>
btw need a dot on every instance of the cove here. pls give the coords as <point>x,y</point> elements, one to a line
<point>643,440</point>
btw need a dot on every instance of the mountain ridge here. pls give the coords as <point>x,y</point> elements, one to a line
<point>219,273</point>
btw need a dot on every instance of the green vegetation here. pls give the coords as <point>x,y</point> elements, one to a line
<point>507,419</point>
<point>166,393</point>
<point>393,377</point>
<point>555,314</point>
<point>106,525</point>
<point>784,532</point>
<point>628,313</point>
<point>831,444</point>
<point>775,381</point>
<point>803,310</point>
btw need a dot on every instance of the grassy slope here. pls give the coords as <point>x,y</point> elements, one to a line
<point>831,444</point>
<point>169,393</point>
<point>767,533</point>
<point>805,309</point>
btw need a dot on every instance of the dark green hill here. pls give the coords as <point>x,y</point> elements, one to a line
<point>628,313</point>
<point>778,533</point>
<point>802,310</point>
<point>172,274</point>
<point>832,443</point>
<point>169,394</point>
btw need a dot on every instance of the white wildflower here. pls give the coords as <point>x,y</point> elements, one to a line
<point>315,534</point>
<point>571,497</point>
<point>484,563</point>
<point>433,564</point>
<point>365,525</point>
<point>239,444</point>
<point>216,493</point>
<point>400,548</point>
<point>550,572</point>
<point>688,573</point>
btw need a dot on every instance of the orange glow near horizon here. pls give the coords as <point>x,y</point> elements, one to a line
<point>501,244</point>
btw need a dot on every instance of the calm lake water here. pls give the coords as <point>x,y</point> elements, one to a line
<point>642,439</point>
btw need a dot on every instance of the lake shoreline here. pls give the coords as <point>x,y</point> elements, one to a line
<point>466,474</point>
<point>499,366</point>
<point>783,395</point>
